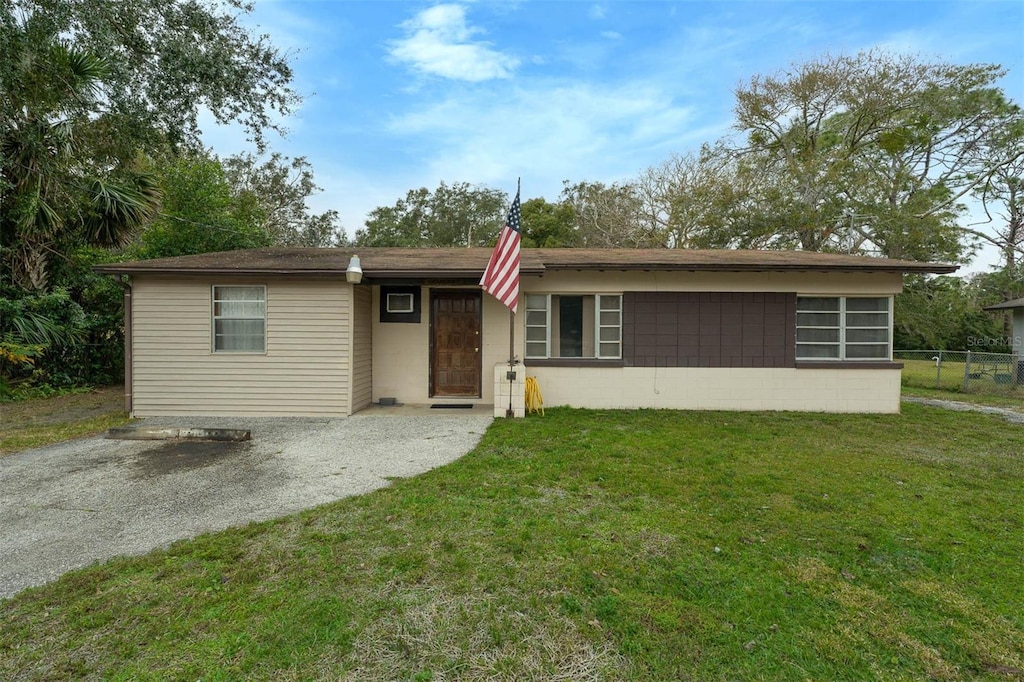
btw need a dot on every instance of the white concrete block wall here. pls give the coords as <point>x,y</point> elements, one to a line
<point>721,388</point>
<point>503,388</point>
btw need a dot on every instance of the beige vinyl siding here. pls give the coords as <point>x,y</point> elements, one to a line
<point>304,371</point>
<point>362,347</point>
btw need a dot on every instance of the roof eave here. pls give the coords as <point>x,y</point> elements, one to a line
<point>1016,304</point>
<point>367,274</point>
<point>437,274</point>
<point>753,267</point>
<point>108,270</point>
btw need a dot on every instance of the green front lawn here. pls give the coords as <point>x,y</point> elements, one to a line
<point>593,545</point>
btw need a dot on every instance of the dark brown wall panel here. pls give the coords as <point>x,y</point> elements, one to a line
<point>709,329</point>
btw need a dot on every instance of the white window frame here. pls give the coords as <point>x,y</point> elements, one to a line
<point>411,308</point>
<point>546,326</point>
<point>214,317</point>
<point>598,326</point>
<point>842,343</point>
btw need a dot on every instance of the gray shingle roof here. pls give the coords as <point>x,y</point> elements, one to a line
<point>383,262</point>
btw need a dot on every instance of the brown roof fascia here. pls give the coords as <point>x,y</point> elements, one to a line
<point>240,271</point>
<point>436,274</point>
<point>754,267</point>
<point>296,272</point>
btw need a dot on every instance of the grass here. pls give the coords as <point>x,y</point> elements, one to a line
<point>950,377</point>
<point>34,422</point>
<point>919,379</point>
<point>593,545</point>
<point>13,440</point>
<point>1013,403</point>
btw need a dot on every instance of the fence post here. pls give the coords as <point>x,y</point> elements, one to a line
<point>938,371</point>
<point>967,372</point>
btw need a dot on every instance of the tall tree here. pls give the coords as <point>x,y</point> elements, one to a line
<point>1002,196</point>
<point>548,225</point>
<point>169,60</point>
<point>946,313</point>
<point>699,200</point>
<point>873,152</point>
<point>56,189</point>
<point>459,214</point>
<point>201,212</point>
<point>610,215</point>
<point>281,188</point>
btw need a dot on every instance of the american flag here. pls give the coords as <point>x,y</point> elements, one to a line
<point>501,278</point>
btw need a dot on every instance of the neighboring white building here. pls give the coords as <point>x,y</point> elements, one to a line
<point>1016,340</point>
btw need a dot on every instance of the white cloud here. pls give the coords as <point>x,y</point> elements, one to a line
<point>549,133</point>
<point>439,42</point>
<point>611,35</point>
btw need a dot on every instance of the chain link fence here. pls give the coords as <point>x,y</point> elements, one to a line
<point>963,371</point>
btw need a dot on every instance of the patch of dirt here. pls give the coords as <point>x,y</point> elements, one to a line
<point>62,409</point>
<point>179,455</point>
<point>1007,413</point>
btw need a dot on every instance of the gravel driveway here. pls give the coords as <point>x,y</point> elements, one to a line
<point>65,506</point>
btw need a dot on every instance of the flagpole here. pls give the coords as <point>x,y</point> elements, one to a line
<point>501,280</point>
<point>510,412</point>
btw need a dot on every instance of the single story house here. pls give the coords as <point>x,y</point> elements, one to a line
<point>282,331</point>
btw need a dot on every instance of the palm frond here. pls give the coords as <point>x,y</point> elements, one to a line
<point>34,328</point>
<point>116,209</point>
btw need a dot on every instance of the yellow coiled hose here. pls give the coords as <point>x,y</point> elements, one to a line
<point>534,400</point>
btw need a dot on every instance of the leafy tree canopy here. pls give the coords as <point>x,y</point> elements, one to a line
<point>459,214</point>
<point>57,190</point>
<point>873,152</point>
<point>610,215</point>
<point>281,188</point>
<point>548,225</point>
<point>201,212</point>
<point>165,62</point>
<point>945,313</point>
<point>1002,195</point>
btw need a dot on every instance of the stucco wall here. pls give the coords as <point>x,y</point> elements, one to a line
<point>803,283</point>
<point>401,351</point>
<point>304,371</point>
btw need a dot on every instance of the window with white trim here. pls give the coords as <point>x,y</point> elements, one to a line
<point>574,326</point>
<point>400,303</point>
<point>843,328</point>
<point>239,319</point>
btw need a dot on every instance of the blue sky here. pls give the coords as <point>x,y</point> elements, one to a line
<point>401,95</point>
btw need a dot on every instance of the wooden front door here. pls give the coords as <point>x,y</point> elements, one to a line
<point>455,344</point>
